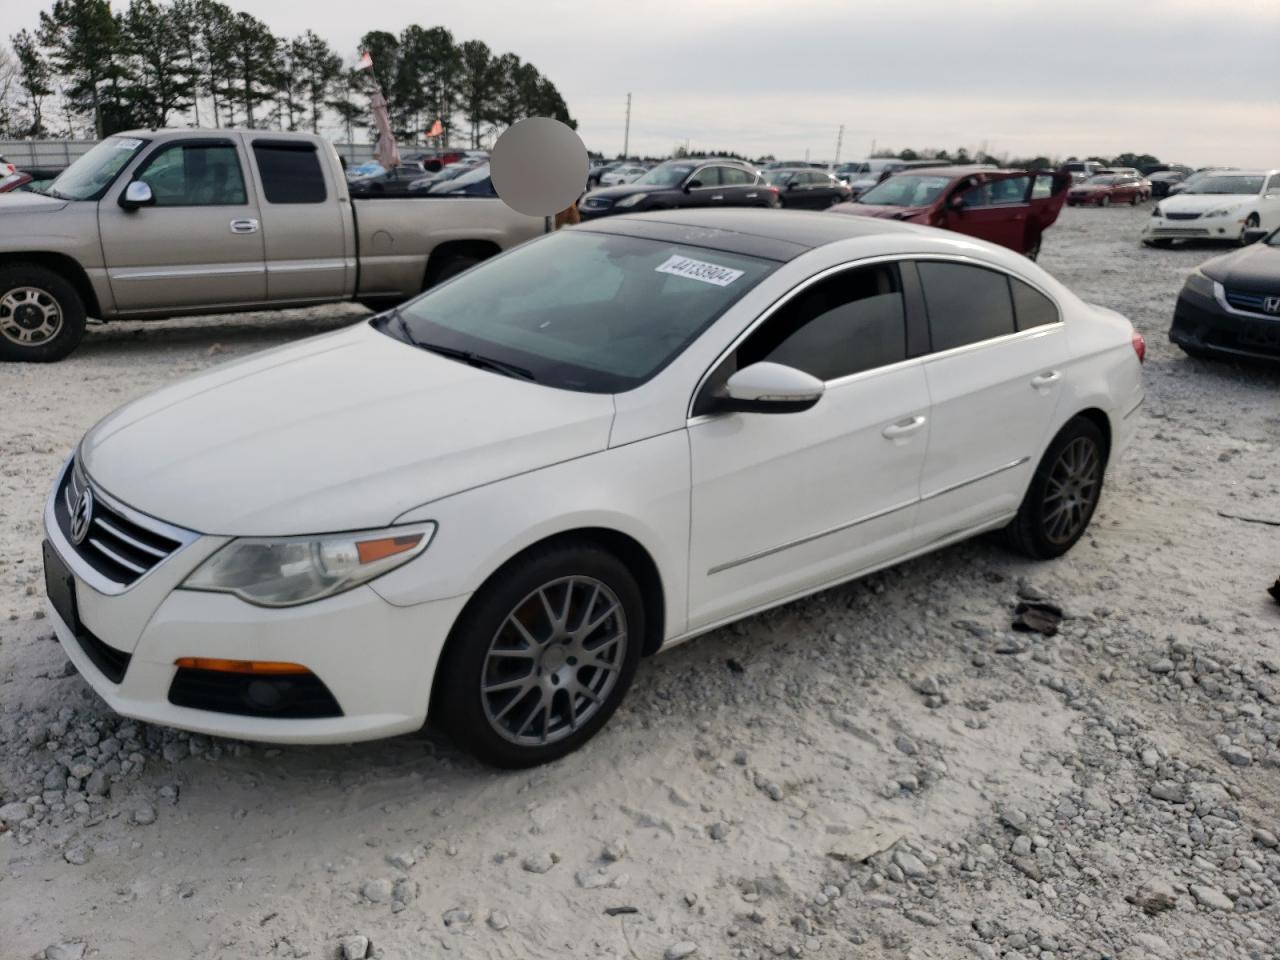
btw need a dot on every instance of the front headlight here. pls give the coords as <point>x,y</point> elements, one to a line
<point>1197,282</point>
<point>630,201</point>
<point>286,571</point>
<point>1218,212</point>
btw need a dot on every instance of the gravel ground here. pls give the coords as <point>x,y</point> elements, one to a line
<point>882,770</point>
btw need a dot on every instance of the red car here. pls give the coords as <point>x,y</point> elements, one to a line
<point>1104,189</point>
<point>1010,207</point>
<point>12,181</point>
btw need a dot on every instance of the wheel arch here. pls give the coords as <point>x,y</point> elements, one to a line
<point>66,267</point>
<point>1098,417</point>
<point>444,252</point>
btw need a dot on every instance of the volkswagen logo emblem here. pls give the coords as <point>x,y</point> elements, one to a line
<point>1271,304</point>
<point>81,518</point>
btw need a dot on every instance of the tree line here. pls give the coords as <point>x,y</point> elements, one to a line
<point>961,156</point>
<point>87,71</point>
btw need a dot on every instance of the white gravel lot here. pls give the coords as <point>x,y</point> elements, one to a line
<point>883,770</point>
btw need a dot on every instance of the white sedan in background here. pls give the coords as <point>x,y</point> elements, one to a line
<point>1221,206</point>
<point>620,175</point>
<point>491,502</point>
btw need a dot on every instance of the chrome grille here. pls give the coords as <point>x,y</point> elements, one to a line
<point>1244,300</point>
<point>122,548</point>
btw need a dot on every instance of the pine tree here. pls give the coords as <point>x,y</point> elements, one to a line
<point>478,85</point>
<point>318,69</point>
<point>161,81</point>
<point>83,39</point>
<point>250,65</point>
<point>35,78</point>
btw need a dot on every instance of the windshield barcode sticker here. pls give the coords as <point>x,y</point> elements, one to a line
<point>126,143</point>
<point>699,270</point>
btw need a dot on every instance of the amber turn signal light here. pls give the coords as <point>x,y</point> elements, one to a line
<point>260,667</point>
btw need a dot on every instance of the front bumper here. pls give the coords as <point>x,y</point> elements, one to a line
<point>1208,324</point>
<point>1200,228</point>
<point>377,659</point>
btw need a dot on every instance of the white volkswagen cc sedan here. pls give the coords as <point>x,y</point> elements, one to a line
<point>491,502</point>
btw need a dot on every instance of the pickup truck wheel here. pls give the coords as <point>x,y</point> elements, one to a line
<point>41,314</point>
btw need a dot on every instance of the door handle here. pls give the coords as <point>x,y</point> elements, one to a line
<point>752,196</point>
<point>244,226</point>
<point>1045,379</point>
<point>718,196</point>
<point>902,428</point>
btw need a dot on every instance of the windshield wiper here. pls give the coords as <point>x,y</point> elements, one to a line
<point>464,356</point>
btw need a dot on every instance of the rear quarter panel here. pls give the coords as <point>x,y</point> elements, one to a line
<point>1105,372</point>
<point>397,235</point>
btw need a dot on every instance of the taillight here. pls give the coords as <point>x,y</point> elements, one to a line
<point>1139,346</point>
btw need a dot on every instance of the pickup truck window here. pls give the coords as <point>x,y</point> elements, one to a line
<point>290,172</point>
<point>194,175</point>
<point>89,176</point>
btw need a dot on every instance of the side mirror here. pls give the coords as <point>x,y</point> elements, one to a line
<point>691,184</point>
<point>1254,234</point>
<point>791,184</point>
<point>770,388</point>
<point>956,202</point>
<point>137,194</point>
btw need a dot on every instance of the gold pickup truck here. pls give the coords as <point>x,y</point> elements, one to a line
<point>161,223</point>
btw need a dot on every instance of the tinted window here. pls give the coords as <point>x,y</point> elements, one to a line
<point>966,304</point>
<point>194,175</point>
<point>1010,189</point>
<point>734,176</point>
<point>290,174</point>
<point>848,323</point>
<point>708,177</point>
<point>1032,307</point>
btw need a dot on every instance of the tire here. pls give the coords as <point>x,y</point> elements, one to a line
<point>1251,223</point>
<point>450,267</point>
<point>508,635</point>
<point>1196,353</point>
<point>1134,200</point>
<point>1163,243</point>
<point>1034,252</point>
<point>42,315</point>
<point>1105,201</point>
<point>1068,478</point>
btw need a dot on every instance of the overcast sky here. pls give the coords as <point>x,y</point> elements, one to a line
<point>1194,81</point>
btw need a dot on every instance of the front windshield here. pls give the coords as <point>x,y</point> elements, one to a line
<point>667,176</point>
<point>1232,185</point>
<point>89,176</point>
<point>579,310</point>
<point>906,190</point>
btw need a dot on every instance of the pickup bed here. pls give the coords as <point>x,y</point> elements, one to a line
<point>161,223</point>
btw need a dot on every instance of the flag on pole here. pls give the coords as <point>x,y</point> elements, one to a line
<point>366,61</point>
<point>385,151</point>
<point>437,128</point>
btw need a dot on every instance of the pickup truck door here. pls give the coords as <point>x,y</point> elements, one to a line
<point>307,222</point>
<point>198,244</point>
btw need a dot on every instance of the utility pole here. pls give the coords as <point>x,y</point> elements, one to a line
<point>873,146</point>
<point>626,136</point>
<point>839,143</point>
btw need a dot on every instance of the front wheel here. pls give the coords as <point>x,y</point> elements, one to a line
<point>1251,223</point>
<point>542,655</point>
<point>1063,493</point>
<point>1104,202</point>
<point>42,316</point>
<point>1162,243</point>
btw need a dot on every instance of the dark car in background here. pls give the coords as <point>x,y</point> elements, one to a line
<point>390,183</point>
<point>475,182</point>
<point>1230,305</point>
<point>806,188</point>
<point>1162,181</point>
<point>1010,207</point>
<point>684,183</point>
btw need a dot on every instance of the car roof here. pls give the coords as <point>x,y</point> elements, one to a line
<point>756,232</point>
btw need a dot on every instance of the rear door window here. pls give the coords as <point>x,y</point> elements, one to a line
<point>1032,308</point>
<point>290,172</point>
<point>966,304</point>
<point>1042,189</point>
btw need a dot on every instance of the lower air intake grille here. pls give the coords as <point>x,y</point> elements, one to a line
<point>294,696</point>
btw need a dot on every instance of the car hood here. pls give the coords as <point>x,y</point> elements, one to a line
<point>28,202</point>
<point>341,432</point>
<point>627,189</point>
<point>1200,202</point>
<point>1254,269</point>
<point>876,210</point>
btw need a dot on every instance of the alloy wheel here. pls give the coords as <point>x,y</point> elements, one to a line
<point>554,660</point>
<point>29,316</point>
<point>1072,492</point>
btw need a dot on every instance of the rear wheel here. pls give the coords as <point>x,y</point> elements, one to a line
<point>542,656</point>
<point>450,267</point>
<point>1105,201</point>
<point>1133,201</point>
<point>1063,493</point>
<point>1164,243</point>
<point>42,317</point>
<point>1034,252</point>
